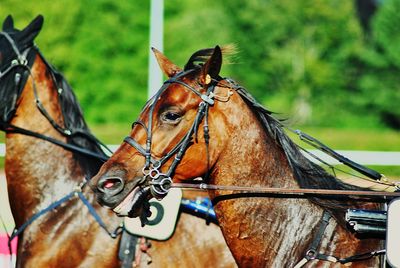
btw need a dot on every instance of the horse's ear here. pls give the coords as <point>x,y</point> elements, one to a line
<point>212,67</point>
<point>8,23</point>
<point>168,68</point>
<point>32,30</point>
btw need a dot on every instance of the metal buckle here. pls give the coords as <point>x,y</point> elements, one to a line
<point>160,188</point>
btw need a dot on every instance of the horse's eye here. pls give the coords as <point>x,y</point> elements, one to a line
<point>171,117</point>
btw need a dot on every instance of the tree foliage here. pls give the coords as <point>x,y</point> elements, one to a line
<point>309,60</point>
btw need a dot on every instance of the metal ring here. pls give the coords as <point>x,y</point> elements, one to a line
<point>167,181</point>
<point>311,254</point>
<point>154,173</point>
<point>163,191</point>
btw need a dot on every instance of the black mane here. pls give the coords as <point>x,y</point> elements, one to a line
<point>75,122</point>
<point>308,174</point>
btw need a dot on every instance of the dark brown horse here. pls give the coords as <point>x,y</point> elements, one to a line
<point>36,100</point>
<point>202,125</point>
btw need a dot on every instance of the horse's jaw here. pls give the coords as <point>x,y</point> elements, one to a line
<point>135,204</point>
<point>131,205</point>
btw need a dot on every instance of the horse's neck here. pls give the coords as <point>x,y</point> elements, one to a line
<point>250,157</point>
<point>38,172</point>
<point>261,231</point>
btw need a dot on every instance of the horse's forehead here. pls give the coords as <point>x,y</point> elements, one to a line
<point>178,94</point>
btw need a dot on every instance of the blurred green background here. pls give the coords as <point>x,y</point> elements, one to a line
<point>331,66</point>
<point>311,60</point>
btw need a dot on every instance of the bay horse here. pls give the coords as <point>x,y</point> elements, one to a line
<point>39,113</point>
<point>200,125</point>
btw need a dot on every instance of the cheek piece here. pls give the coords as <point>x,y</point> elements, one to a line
<point>159,182</point>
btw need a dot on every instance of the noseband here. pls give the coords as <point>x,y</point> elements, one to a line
<point>160,183</point>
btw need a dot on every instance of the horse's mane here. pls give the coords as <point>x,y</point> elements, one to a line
<point>307,173</point>
<point>74,121</point>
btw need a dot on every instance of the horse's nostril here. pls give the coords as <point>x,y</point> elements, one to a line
<point>110,185</point>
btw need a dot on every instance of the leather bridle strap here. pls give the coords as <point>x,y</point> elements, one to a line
<point>21,57</point>
<point>22,61</point>
<point>159,181</point>
<point>312,252</point>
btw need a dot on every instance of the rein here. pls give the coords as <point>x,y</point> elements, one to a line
<point>8,128</point>
<point>281,191</point>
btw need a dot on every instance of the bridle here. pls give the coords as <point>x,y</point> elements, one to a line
<point>160,183</point>
<point>23,60</point>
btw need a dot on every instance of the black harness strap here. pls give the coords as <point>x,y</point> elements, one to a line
<point>127,249</point>
<point>8,128</point>
<point>319,145</point>
<point>312,252</point>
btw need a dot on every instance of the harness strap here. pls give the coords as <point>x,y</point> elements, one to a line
<point>17,231</point>
<point>96,216</point>
<point>319,145</point>
<point>8,128</point>
<point>137,146</point>
<point>52,206</point>
<point>311,253</point>
<point>127,249</point>
<point>362,257</point>
<point>318,236</point>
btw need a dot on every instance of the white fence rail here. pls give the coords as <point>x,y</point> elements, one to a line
<point>361,157</point>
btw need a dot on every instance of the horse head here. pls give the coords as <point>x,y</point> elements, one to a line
<point>16,54</point>
<point>171,139</point>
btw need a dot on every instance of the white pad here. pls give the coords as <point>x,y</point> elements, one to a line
<point>163,219</point>
<point>393,233</point>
